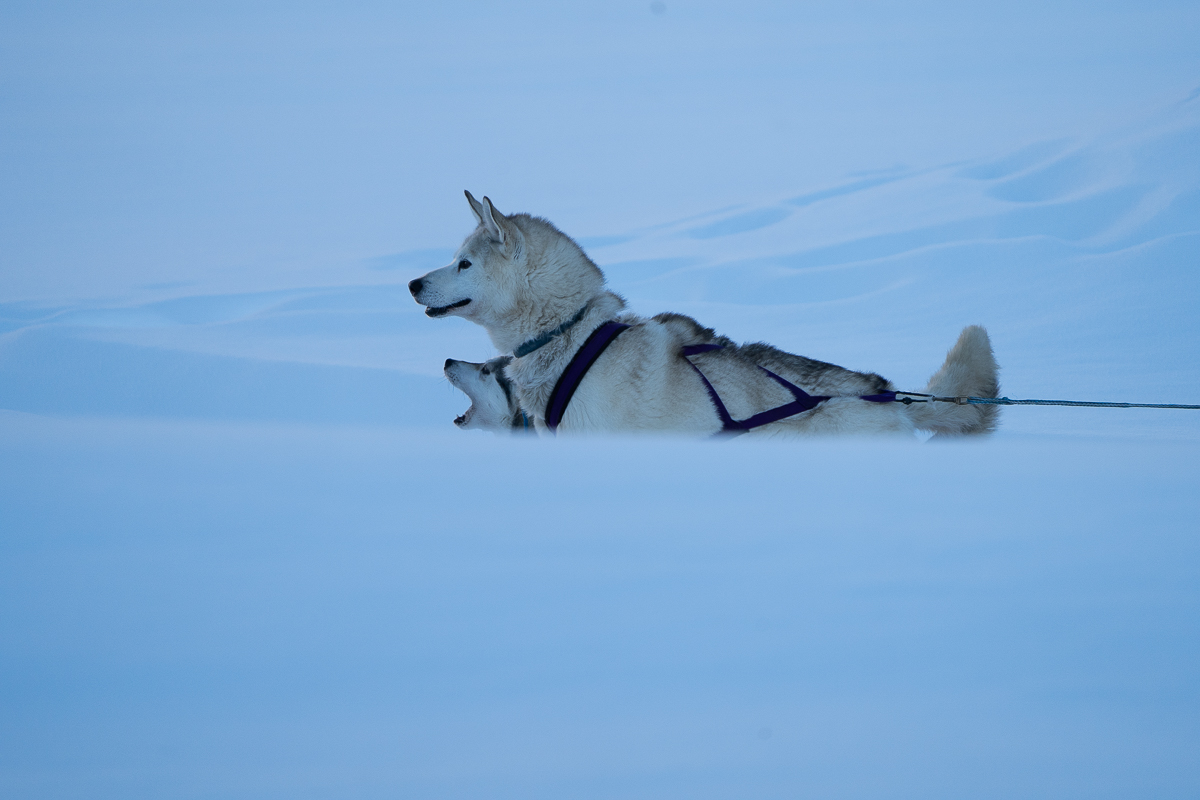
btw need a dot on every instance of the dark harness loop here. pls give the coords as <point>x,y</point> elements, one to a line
<point>803,402</point>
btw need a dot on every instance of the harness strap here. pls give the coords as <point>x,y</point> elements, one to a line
<point>803,402</point>
<point>885,397</point>
<point>728,424</point>
<point>573,375</point>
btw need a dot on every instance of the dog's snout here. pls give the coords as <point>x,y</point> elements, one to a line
<point>415,286</point>
<point>450,362</point>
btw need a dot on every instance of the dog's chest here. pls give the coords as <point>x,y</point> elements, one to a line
<point>533,386</point>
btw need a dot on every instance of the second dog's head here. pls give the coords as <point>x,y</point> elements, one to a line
<point>494,405</point>
<point>516,276</point>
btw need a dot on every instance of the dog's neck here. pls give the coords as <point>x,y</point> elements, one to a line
<point>511,334</point>
<point>544,338</point>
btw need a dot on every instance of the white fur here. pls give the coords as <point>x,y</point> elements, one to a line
<point>518,276</point>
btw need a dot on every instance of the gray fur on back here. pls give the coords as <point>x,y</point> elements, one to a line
<point>814,377</point>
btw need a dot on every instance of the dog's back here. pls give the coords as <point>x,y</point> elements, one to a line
<point>815,377</point>
<point>736,374</point>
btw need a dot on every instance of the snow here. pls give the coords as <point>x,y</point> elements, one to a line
<point>244,553</point>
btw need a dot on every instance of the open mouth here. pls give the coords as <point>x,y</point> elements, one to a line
<point>462,418</point>
<point>439,310</point>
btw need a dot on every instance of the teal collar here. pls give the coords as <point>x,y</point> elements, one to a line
<point>543,339</point>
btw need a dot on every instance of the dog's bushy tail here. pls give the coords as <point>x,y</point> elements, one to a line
<point>969,371</point>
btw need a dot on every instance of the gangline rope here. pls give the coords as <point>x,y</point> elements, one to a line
<point>916,397</point>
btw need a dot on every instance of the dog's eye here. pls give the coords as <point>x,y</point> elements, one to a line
<point>485,371</point>
<point>463,264</point>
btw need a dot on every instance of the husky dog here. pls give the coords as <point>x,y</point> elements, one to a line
<point>539,297</point>
<point>493,402</point>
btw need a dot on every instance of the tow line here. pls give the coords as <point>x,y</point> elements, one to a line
<point>907,398</point>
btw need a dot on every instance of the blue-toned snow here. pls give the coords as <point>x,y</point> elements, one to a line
<point>244,552</point>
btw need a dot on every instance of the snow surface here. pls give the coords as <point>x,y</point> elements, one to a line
<point>244,553</point>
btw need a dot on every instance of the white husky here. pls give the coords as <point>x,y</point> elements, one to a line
<point>540,298</point>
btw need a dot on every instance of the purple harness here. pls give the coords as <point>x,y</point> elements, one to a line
<point>803,402</point>
<point>572,376</point>
<point>603,336</point>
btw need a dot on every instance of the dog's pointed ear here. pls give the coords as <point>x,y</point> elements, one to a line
<point>476,208</point>
<point>495,222</point>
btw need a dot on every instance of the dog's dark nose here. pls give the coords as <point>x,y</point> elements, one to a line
<point>415,286</point>
<point>450,362</point>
